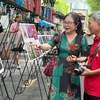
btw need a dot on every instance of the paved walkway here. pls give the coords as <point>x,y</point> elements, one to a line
<point>36,86</point>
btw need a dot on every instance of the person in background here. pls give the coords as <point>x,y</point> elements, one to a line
<point>52,30</point>
<point>4,54</point>
<point>15,28</point>
<point>65,85</point>
<point>1,28</point>
<point>92,73</point>
<point>2,49</point>
<point>36,22</point>
<point>90,37</point>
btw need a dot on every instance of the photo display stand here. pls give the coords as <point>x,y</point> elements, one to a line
<point>15,80</point>
<point>44,39</point>
<point>1,67</point>
<point>30,36</point>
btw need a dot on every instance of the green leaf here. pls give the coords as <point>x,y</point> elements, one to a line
<point>62,6</point>
<point>93,4</point>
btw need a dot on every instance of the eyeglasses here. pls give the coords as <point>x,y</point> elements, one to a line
<point>68,23</point>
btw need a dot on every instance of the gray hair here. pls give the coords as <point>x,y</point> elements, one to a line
<point>96,16</point>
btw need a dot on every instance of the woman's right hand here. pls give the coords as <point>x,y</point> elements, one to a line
<point>71,58</point>
<point>44,46</point>
<point>36,46</point>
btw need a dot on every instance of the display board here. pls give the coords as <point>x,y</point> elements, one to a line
<point>29,32</point>
<point>30,36</point>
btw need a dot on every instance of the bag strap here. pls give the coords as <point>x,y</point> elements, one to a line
<point>57,45</point>
<point>95,52</point>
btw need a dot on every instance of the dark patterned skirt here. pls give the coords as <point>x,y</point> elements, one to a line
<point>65,85</point>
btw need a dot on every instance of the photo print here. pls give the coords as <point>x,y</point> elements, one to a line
<point>29,32</point>
<point>31,52</point>
<point>40,39</point>
<point>45,38</point>
<point>30,36</point>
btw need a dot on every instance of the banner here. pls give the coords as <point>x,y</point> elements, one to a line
<point>51,16</point>
<point>19,2</point>
<point>30,5</point>
<point>48,13</point>
<point>38,6</point>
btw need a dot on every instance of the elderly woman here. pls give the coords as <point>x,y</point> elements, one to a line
<point>92,74</point>
<point>92,77</point>
<point>65,85</point>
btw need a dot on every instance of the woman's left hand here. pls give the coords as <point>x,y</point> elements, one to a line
<point>71,58</point>
<point>86,72</point>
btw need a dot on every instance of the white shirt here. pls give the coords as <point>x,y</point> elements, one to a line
<point>90,38</point>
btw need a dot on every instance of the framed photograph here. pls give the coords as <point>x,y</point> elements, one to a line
<point>30,36</point>
<point>29,32</point>
<point>40,39</point>
<point>44,38</point>
<point>31,52</point>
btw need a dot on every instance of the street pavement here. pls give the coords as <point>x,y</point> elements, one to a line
<point>33,84</point>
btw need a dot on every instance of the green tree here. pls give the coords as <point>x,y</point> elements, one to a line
<point>62,6</point>
<point>93,4</point>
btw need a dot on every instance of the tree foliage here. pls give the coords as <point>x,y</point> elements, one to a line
<point>93,4</point>
<point>62,6</point>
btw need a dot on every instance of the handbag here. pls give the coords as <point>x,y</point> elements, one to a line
<point>52,63</point>
<point>49,66</point>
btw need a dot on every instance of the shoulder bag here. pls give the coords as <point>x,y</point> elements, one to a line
<point>52,63</point>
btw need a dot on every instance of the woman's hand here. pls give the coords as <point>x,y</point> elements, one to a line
<point>89,72</point>
<point>36,46</point>
<point>71,58</point>
<point>86,72</point>
<point>44,46</point>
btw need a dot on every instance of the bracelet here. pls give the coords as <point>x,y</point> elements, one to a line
<point>86,59</point>
<point>76,60</point>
